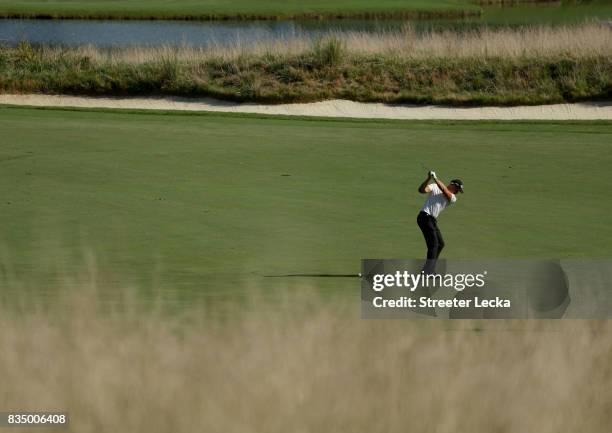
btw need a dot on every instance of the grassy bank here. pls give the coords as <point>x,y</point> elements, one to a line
<point>503,67</point>
<point>485,11</point>
<point>236,9</point>
<point>301,362</point>
<point>204,205</point>
<point>557,12</point>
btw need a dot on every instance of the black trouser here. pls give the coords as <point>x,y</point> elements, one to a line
<point>433,239</point>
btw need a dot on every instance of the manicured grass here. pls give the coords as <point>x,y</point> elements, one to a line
<point>236,9</point>
<point>486,12</point>
<point>538,13</point>
<point>210,203</point>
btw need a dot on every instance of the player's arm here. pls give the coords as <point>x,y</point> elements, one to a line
<point>423,188</point>
<point>449,195</point>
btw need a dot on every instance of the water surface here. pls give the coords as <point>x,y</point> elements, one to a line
<point>121,33</point>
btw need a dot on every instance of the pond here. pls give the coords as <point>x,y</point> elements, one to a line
<point>198,33</point>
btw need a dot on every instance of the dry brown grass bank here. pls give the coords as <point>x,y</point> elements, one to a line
<point>533,66</point>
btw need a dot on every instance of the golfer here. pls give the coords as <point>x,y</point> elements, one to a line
<point>440,196</point>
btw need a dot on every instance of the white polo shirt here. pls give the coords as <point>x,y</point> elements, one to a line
<point>436,201</point>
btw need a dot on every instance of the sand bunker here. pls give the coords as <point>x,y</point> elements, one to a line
<point>332,108</point>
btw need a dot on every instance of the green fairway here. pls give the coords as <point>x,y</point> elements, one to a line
<point>558,13</point>
<point>211,203</point>
<point>225,8</point>
<point>539,13</point>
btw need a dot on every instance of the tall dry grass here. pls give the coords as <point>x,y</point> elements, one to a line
<point>589,39</point>
<point>300,364</point>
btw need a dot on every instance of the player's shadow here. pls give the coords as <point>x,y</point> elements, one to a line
<point>314,276</point>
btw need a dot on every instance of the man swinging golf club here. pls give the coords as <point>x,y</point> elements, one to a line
<point>440,196</point>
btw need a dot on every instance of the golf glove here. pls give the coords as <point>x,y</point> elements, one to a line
<point>433,174</point>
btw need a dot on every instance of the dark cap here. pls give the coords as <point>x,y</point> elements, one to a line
<point>458,183</point>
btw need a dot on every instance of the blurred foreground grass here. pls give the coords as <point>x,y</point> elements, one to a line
<point>297,362</point>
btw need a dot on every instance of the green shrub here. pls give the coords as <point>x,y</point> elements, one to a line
<point>328,52</point>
